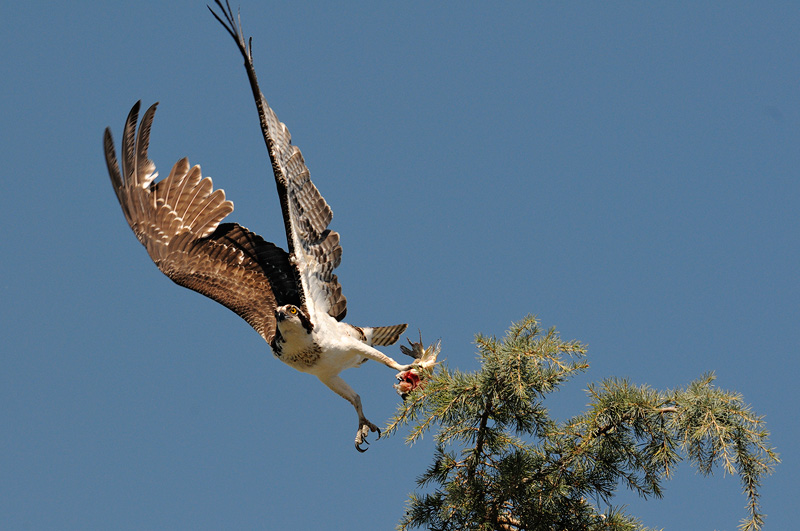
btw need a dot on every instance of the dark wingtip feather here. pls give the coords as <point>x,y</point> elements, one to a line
<point>229,24</point>
<point>144,166</point>
<point>129,144</point>
<point>111,160</point>
<point>234,29</point>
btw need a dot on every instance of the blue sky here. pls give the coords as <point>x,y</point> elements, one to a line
<point>627,172</point>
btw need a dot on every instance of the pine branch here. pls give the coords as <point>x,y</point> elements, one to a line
<point>520,469</point>
<point>480,437</point>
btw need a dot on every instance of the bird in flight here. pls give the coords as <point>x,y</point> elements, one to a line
<point>291,298</point>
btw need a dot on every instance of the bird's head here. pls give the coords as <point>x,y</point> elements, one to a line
<point>291,318</point>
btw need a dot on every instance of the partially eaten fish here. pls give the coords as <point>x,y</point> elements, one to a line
<point>425,360</point>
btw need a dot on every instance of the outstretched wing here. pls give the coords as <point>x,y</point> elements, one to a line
<point>178,222</point>
<point>306,215</point>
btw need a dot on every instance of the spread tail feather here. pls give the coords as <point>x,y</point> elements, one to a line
<point>383,336</point>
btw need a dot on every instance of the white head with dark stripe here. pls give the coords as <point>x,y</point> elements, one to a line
<point>292,320</point>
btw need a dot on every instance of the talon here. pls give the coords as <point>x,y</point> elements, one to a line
<point>363,432</point>
<point>360,439</point>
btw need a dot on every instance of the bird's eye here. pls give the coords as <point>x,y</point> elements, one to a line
<point>292,310</point>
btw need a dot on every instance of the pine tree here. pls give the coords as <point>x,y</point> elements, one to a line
<point>502,463</point>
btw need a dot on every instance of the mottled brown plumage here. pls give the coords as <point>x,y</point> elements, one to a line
<point>292,299</point>
<point>306,214</point>
<point>178,222</point>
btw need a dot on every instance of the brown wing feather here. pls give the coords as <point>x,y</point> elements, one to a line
<point>178,222</point>
<point>306,214</point>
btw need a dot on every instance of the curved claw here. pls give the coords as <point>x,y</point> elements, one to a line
<point>361,435</point>
<point>361,438</point>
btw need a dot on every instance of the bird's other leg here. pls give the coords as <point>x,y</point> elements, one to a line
<point>340,387</point>
<point>380,357</point>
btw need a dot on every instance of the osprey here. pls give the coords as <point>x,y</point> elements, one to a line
<point>292,299</point>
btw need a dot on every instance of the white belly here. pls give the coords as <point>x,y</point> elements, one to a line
<point>327,351</point>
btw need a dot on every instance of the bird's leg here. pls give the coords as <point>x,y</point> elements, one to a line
<point>340,387</point>
<point>380,357</point>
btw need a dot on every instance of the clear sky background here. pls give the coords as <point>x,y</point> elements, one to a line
<point>627,172</point>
